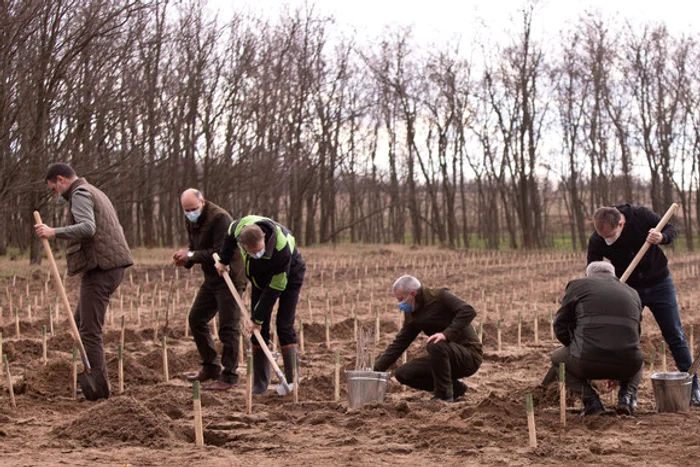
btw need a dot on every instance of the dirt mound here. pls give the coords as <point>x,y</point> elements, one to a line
<point>113,337</point>
<point>55,379</point>
<point>62,341</point>
<point>154,361</point>
<point>22,349</point>
<point>121,420</point>
<point>134,372</point>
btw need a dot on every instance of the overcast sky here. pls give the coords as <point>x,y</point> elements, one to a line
<point>434,20</point>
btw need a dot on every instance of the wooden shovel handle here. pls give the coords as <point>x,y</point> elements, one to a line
<point>246,317</point>
<point>62,292</point>
<point>642,251</point>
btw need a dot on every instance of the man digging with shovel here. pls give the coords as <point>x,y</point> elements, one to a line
<point>97,250</point>
<point>275,269</point>
<point>622,231</point>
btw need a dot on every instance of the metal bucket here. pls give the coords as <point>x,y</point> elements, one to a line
<point>366,386</point>
<point>672,391</point>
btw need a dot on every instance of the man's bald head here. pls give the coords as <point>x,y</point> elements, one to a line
<point>191,199</point>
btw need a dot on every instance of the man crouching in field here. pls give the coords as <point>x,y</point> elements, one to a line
<point>599,323</point>
<point>454,350</point>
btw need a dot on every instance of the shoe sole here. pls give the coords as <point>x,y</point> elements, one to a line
<point>623,411</point>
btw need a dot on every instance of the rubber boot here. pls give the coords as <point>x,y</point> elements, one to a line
<point>624,401</point>
<point>592,406</point>
<point>261,371</point>
<point>289,355</point>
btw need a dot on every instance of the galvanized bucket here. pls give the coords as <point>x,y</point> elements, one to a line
<point>366,386</point>
<point>672,391</point>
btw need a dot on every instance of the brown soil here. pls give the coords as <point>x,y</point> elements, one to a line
<point>152,422</point>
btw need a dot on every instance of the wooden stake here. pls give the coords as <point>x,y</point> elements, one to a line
<point>17,333</point>
<point>377,328</point>
<point>301,336</point>
<point>354,324</point>
<point>328,333</point>
<point>531,420</point>
<point>536,330</point>
<point>498,334</point>
<point>481,333</point>
<point>663,357</point>
<point>9,381</point>
<point>295,387</point>
<point>121,336</point>
<point>75,374</point>
<point>29,313</point>
<point>198,428</point>
<point>551,326</point>
<point>691,344</point>
<point>44,355</point>
<point>155,327</point>
<point>249,385</point>
<point>120,355</point>
<point>166,374</point>
<point>241,350</point>
<point>51,330</point>
<point>337,375</point>
<point>562,394</point>
<point>520,330</point>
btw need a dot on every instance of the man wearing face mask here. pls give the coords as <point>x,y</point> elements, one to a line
<point>619,234</point>
<point>454,350</point>
<point>276,270</point>
<point>96,249</point>
<point>206,230</point>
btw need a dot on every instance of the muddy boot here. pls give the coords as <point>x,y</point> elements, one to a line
<point>592,406</point>
<point>289,355</point>
<point>261,371</point>
<point>458,389</point>
<point>624,401</point>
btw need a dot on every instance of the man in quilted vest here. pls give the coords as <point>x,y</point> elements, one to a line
<point>96,250</point>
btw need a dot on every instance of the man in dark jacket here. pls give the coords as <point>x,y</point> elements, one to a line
<point>599,323</point>
<point>276,269</point>
<point>619,234</point>
<point>454,350</point>
<point>206,229</point>
<point>96,249</point>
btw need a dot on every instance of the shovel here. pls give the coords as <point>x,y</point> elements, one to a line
<point>642,251</point>
<point>283,388</point>
<point>93,385</point>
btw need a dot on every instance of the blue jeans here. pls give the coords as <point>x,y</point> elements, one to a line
<point>661,300</point>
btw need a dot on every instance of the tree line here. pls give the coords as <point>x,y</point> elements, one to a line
<point>505,143</point>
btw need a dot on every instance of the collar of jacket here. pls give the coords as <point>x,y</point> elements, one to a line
<point>74,186</point>
<point>425,297</point>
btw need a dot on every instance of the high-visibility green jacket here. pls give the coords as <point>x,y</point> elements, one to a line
<point>280,265</point>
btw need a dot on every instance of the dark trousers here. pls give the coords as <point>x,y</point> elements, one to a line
<point>661,300</point>
<point>286,313</point>
<point>96,287</point>
<point>436,372</point>
<point>579,371</point>
<point>213,297</point>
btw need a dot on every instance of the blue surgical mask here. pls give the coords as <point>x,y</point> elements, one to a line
<point>192,216</point>
<point>257,255</point>
<point>405,307</point>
